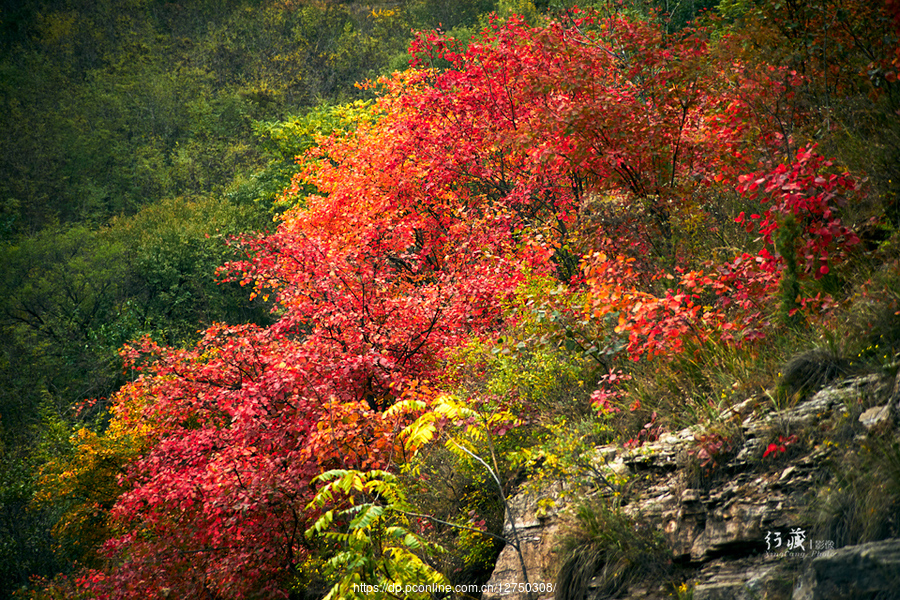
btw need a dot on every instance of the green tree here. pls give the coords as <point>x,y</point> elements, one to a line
<point>376,552</point>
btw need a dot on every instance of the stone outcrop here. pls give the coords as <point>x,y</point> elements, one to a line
<point>854,572</point>
<point>741,533</point>
<point>537,537</point>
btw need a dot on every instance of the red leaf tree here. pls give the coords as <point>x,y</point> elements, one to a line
<point>530,150</point>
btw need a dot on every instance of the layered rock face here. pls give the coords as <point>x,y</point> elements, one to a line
<point>737,525</point>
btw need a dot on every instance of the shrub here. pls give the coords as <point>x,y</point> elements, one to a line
<point>810,371</point>
<point>861,502</point>
<point>605,545</point>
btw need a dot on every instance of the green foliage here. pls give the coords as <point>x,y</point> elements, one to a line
<point>376,553</point>
<point>462,495</point>
<point>538,382</point>
<point>674,15</point>
<point>116,104</point>
<point>63,290</point>
<point>523,8</point>
<point>26,547</point>
<point>547,366</point>
<point>73,297</point>
<point>76,295</point>
<point>286,143</point>
<point>788,235</point>
<point>447,16</point>
<point>463,483</point>
<point>173,251</point>
<point>523,404</point>
<point>549,356</point>
<point>564,456</point>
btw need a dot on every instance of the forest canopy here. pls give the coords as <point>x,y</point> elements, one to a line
<point>338,247</point>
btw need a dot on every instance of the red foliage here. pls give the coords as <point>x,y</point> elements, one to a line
<point>237,428</point>
<point>426,220</point>
<point>805,189</point>
<point>603,397</point>
<point>710,448</point>
<point>781,446</point>
<point>650,432</point>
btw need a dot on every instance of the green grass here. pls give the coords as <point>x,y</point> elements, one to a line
<point>860,502</point>
<point>603,545</point>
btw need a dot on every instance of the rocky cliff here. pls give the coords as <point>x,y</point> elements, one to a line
<point>744,507</point>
